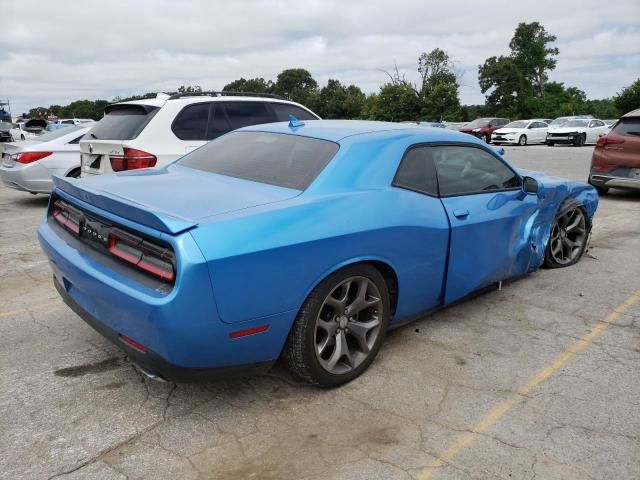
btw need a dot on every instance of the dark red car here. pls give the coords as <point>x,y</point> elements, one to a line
<point>484,127</point>
<point>616,159</point>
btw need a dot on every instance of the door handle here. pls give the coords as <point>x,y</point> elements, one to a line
<point>461,213</point>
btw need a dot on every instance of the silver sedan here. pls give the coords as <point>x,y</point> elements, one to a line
<point>30,164</point>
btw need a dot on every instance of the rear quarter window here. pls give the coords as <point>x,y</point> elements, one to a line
<point>123,122</point>
<point>284,160</point>
<point>628,127</point>
<point>283,110</point>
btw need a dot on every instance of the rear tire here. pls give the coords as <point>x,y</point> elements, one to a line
<point>340,327</point>
<point>21,137</point>
<point>522,141</point>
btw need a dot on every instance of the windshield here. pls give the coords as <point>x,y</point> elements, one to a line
<point>45,137</point>
<point>518,124</point>
<point>575,123</point>
<point>278,159</point>
<point>479,122</point>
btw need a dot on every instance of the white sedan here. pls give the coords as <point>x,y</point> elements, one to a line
<point>28,130</point>
<point>578,132</point>
<point>521,132</point>
<point>30,164</point>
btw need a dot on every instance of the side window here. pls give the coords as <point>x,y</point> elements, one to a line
<point>467,170</point>
<point>417,171</point>
<point>242,114</point>
<point>191,122</point>
<point>598,123</point>
<point>75,141</point>
<point>283,110</point>
<point>218,123</point>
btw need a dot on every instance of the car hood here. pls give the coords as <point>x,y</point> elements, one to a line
<point>173,198</point>
<point>567,129</point>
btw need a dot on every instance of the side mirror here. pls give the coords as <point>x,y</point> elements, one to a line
<point>531,185</point>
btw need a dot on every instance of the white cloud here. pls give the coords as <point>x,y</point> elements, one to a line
<point>55,52</point>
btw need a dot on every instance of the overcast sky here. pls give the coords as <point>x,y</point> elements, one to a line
<point>59,51</point>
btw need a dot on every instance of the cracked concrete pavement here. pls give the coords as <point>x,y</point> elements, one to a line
<point>72,407</point>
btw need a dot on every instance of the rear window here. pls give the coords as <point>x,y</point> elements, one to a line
<point>628,126</point>
<point>283,110</point>
<point>123,122</point>
<point>278,159</point>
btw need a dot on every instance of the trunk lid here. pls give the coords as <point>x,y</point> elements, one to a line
<point>172,199</point>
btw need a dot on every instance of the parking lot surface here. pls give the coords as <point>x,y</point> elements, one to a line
<point>537,380</point>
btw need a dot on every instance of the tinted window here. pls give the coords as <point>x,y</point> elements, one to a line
<point>628,126</point>
<point>242,114</point>
<point>518,124</point>
<point>417,171</point>
<point>274,158</point>
<point>191,122</point>
<point>122,122</point>
<point>464,170</point>
<point>218,124</point>
<point>283,110</point>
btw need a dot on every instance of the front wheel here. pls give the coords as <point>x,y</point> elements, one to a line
<point>580,140</point>
<point>487,138</point>
<point>340,327</point>
<point>550,143</point>
<point>568,238</point>
<point>522,141</point>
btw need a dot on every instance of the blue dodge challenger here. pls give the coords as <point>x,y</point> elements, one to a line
<point>300,241</point>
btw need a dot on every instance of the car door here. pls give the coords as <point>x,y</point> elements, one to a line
<point>536,132</point>
<point>490,216</point>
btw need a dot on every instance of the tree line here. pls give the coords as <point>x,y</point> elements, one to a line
<point>515,86</point>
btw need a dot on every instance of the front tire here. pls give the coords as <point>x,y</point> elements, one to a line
<point>568,238</point>
<point>550,144</point>
<point>580,140</point>
<point>487,138</point>
<point>340,327</point>
<point>522,141</point>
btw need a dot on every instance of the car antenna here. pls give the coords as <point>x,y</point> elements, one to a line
<point>294,122</point>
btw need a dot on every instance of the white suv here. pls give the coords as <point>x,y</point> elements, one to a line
<point>154,132</point>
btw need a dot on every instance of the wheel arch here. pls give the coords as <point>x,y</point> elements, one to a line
<point>383,265</point>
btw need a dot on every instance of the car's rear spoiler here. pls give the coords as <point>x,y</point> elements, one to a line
<point>135,212</point>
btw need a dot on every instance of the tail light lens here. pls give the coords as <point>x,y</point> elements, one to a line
<point>30,157</point>
<point>600,168</point>
<point>607,140</point>
<point>147,256</point>
<point>132,159</point>
<point>67,216</point>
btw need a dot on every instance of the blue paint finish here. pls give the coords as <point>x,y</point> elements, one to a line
<point>248,254</point>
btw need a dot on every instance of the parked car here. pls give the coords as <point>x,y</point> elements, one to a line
<point>577,132</point>
<point>154,132</point>
<point>432,124</point>
<point>560,120</point>
<point>30,164</point>
<point>521,132</point>
<point>28,129</point>
<point>610,122</point>
<point>57,126</point>
<point>303,240</point>
<point>5,132</point>
<point>484,127</point>
<point>615,162</point>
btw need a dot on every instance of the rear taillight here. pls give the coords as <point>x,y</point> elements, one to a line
<point>600,168</point>
<point>29,157</point>
<point>66,216</point>
<point>147,256</point>
<point>607,140</point>
<point>132,160</point>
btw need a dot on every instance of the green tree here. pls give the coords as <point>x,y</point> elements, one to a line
<point>438,91</point>
<point>339,101</point>
<point>515,84</point>
<point>629,98</point>
<point>298,85</point>
<point>370,107</point>
<point>190,89</point>
<point>256,85</point>
<point>398,102</point>
<point>602,108</point>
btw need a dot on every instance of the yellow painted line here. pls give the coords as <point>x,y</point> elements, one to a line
<point>543,374</point>
<point>38,306</point>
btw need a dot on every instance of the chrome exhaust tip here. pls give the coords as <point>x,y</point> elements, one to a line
<point>149,374</point>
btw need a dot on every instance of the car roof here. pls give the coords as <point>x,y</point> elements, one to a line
<point>632,113</point>
<point>337,130</point>
<point>188,99</point>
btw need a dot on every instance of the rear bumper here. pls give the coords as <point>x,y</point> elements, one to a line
<point>155,364</point>
<point>29,178</point>
<point>606,180</point>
